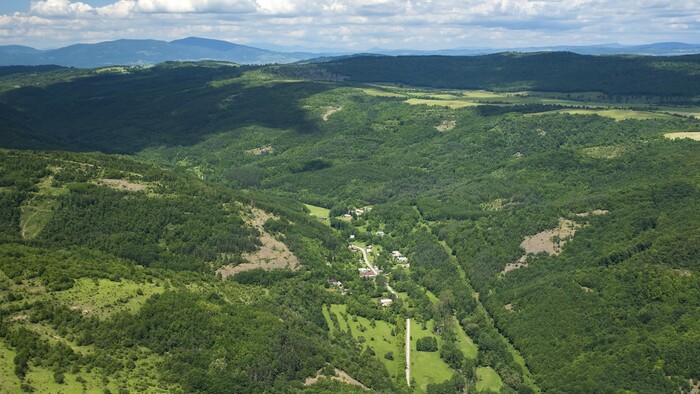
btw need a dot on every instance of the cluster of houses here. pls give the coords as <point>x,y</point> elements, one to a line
<point>357,212</point>
<point>369,273</point>
<point>403,260</point>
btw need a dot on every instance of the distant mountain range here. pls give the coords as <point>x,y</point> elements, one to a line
<point>147,52</point>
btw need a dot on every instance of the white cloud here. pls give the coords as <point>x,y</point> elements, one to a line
<point>360,24</point>
<point>59,8</point>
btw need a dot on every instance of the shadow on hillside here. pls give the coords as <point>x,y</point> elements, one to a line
<point>160,106</point>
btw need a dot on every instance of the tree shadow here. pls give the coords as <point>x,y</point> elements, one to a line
<point>159,106</point>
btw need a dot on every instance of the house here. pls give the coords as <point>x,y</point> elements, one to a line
<point>386,302</point>
<point>367,274</point>
<point>396,254</point>
<point>402,259</point>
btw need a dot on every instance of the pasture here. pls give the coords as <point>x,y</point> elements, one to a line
<point>488,380</point>
<point>427,367</point>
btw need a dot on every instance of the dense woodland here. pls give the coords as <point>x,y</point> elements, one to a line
<point>618,309</point>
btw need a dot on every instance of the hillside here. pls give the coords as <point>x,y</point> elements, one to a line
<point>546,217</point>
<point>107,281</point>
<point>554,72</point>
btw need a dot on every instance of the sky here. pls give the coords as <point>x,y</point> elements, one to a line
<point>353,24</point>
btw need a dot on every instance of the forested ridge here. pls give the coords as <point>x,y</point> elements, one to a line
<point>548,225</point>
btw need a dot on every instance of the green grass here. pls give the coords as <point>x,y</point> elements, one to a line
<point>35,215</point>
<point>38,210</point>
<point>321,213</point>
<point>381,93</point>
<point>444,103</point>
<point>488,380</point>
<point>145,378</point>
<point>465,344</point>
<point>427,367</point>
<point>379,338</point>
<point>105,297</point>
<point>690,135</point>
<point>10,382</point>
<point>616,114</point>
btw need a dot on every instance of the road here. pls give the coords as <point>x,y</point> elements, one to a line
<point>408,352</point>
<point>366,260</point>
<point>408,321</point>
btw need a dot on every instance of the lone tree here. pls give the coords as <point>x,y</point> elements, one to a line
<point>427,344</point>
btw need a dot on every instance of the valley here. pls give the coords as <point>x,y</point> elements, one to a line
<point>298,228</point>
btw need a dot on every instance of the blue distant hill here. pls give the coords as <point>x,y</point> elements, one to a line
<point>147,52</point>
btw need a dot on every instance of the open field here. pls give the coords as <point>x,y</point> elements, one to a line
<point>690,135</point>
<point>582,103</point>
<point>444,103</point>
<point>319,212</point>
<point>465,344</point>
<point>35,215</point>
<point>381,93</point>
<point>104,297</point>
<point>10,381</point>
<point>616,114</point>
<point>488,380</point>
<point>427,367</point>
<point>379,337</point>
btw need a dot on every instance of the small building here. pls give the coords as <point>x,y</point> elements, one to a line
<point>367,274</point>
<point>352,236</point>
<point>380,233</point>
<point>396,254</point>
<point>332,281</point>
<point>402,259</point>
<point>347,216</point>
<point>369,248</point>
<point>386,302</point>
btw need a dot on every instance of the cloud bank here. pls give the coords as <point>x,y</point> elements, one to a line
<point>359,24</point>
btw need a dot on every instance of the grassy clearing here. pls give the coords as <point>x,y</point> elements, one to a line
<point>427,367</point>
<point>104,297</point>
<point>379,337</point>
<point>443,103</point>
<point>10,383</point>
<point>37,211</point>
<point>488,380</point>
<point>465,344</point>
<point>606,152</point>
<point>35,215</point>
<point>616,114</point>
<point>321,213</point>
<point>690,135</point>
<point>381,93</point>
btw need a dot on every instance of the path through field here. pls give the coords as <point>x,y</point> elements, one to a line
<point>408,352</point>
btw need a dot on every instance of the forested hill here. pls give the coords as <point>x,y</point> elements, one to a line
<point>107,284</point>
<point>557,71</point>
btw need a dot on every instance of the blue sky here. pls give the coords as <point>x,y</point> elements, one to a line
<point>354,24</point>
